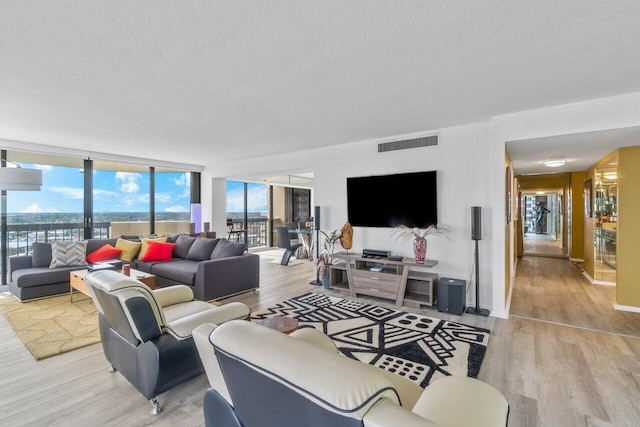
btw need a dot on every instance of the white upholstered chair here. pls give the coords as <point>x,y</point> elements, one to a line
<point>261,377</point>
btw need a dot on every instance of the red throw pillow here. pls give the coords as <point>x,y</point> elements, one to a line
<point>103,253</point>
<point>158,251</point>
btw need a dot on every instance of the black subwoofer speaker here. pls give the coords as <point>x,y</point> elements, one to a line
<point>476,223</point>
<point>451,295</point>
<point>316,218</point>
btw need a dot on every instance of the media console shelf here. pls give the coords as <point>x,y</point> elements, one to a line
<point>394,280</point>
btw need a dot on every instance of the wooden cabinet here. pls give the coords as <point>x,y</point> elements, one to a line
<point>399,281</point>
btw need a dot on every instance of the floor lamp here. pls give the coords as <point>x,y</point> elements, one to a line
<point>476,234</point>
<point>316,223</point>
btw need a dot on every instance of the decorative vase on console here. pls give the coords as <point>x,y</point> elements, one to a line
<point>420,249</point>
<point>324,277</point>
<point>419,237</point>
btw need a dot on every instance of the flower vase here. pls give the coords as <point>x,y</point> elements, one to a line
<point>420,249</point>
<point>324,277</point>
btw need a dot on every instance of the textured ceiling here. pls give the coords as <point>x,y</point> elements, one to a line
<point>201,81</point>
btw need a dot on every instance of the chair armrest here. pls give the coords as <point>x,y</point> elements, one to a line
<point>173,295</point>
<point>459,400</point>
<point>315,337</point>
<point>386,413</point>
<point>183,328</point>
<point>19,262</point>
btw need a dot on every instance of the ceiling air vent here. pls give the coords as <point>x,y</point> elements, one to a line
<point>425,141</point>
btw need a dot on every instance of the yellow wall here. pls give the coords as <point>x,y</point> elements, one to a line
<point>628,232</point>
<point>577,215</point>
<point>547,181</point>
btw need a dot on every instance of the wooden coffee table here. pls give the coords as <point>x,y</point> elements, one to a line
<point>76,280</point>
<point>283,324</point>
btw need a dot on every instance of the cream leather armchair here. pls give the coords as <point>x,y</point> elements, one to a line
<point>260,377</point>
<point>146,335</point>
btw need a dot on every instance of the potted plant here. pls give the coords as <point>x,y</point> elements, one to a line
<point>419,237</point>
<point>324,259</point>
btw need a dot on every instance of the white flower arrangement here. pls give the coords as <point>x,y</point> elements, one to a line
<point>402,232</point>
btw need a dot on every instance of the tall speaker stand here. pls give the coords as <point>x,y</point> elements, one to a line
<point>477,310</point>
<point>317,282</point>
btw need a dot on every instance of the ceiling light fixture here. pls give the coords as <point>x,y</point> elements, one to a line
<point>554,163</point>
<point>14,177</point>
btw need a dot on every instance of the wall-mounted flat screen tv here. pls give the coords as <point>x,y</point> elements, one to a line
<point>390,200</point>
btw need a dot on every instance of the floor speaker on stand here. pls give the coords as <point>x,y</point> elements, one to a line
<point>476,235</point>
<point>316,226</point>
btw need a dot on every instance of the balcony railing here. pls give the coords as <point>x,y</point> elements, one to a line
<point>20,237</point>
<point>256,231</point>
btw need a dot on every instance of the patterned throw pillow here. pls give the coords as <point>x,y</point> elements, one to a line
<point>68,253</point>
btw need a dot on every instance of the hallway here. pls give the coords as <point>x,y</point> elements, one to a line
<point>554,290</point>
<point>543,245</point>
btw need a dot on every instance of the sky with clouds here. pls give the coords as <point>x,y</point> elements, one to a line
<point>62,191</point>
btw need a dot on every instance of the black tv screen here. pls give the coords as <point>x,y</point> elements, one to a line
<point>390,200</point>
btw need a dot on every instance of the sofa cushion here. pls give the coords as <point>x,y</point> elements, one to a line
<point>68,253</point>
<point>104,253</point>
<point>41,254</point>
<point>202,248</point>
<point>183,244</point>
<point>158,251</point>
<point>42,276</point>
<point>181,270</point>
<point>226,248</point>
<point>95,244</point>
<point>145,243</point>
<point>129,249</point>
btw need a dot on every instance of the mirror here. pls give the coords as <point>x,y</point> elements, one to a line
<point>606,220</point>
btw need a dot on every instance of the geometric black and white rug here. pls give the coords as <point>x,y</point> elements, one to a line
<point>417,347</point>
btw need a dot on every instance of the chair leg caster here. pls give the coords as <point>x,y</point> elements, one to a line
<point>155,406</point>
<point>112,368</point>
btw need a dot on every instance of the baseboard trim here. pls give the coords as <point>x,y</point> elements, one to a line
<point>597,282</point>
<point>576,259</point>
<point>626,308</point>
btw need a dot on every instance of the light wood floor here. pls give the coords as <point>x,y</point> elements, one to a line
<point>552,375</point>
<point>543,244</point>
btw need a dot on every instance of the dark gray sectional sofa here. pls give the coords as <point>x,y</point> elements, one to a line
<point>213,269</point>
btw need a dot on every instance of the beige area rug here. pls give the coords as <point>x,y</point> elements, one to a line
<point>52,326</point>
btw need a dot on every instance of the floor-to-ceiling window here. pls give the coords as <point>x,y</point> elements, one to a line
<point>247,212</point>
<point>172,201</point>
<point>83,198</point>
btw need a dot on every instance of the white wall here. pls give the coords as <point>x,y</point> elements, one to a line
<point>470,164</point>
<point>460,160</point>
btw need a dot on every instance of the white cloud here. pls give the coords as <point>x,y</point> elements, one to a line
<point>164,197</point>
<point>44,168</point>
<point>69,192</point>
<point>176,208</point>
<point>34,208</point>
<point>130,187</point>
<point>183,179</point>
<point>99,194</point>
<point>129,180</point>
<point>127,176</point>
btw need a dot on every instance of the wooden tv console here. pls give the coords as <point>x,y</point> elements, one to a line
<point>396,280</point>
